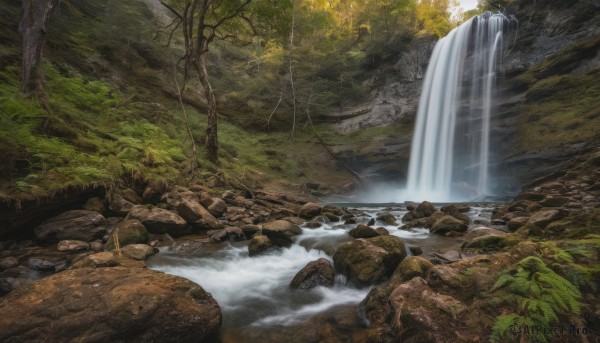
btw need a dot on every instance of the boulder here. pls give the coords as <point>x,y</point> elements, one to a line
<point>382,231</point>
<point>447,224</point>
<point>530,196</point>
<point>8,262</point>
<point>280,232</point>
<point>410,267</point>
<point>541,219</point>
<point>455,208</point>
<point>515,223</point>
<point>554,201</point>
<point>218,207</point>
<point>159,221</point>
<point>106,259</point>
<point>195,214</point>
<point>331,217</point>
<point>315,273</point>
<point>109,305</point>
<point>131,196</point>
<point>368,261</point>
<point>423,210</point>
<point>363,231</point>
<point>259,245</point>
<point>310,210</point>
<point>138,252</point>
<point>129,231</point>
<point>119,205</point>
<point>387,218</point>
<point>486,243</point>
<point>94,204</point>
<point>72,245</point>
<point>79,225</point>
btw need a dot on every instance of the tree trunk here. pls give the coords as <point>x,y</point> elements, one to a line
<point>212,142</point>
<point>35,15</point>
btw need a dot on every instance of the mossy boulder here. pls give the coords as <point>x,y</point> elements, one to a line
<point>280,232</point>
<point>310,210</point>
<point>363,231</point>
<point>410,267</point>
<point>447,224</point>
<point>259,245</point>
<point>387,218</point>
<point>368,261</point>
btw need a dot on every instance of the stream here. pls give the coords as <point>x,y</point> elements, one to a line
<point>254,294</point>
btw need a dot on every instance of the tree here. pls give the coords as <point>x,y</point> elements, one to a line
<point>201,22</point>
<point>35,16</point>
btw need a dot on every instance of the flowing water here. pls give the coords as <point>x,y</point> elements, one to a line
<point>254,293</point>
<point>450,150</point>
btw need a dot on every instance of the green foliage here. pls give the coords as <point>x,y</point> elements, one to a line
<point>537,295</point>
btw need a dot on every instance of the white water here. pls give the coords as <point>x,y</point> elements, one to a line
<point>450,150</point>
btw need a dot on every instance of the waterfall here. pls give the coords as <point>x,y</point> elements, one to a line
<point>450,149</point>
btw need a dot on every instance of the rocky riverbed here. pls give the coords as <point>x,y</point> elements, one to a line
<point>270,266</point>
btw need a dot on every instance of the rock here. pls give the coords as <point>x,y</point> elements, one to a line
<point>363,231</point>
<point>310,210</point>
<point>455,208</point>
<point>217,208</point>
<point>195,214</point>
<point>259,245</point>
<point>40,264</point>
<point>129,231</point>
<point>8,262</point>
<point>159,221</point>
<point>76,224</point>
<point>228,195</point>
<point>294,220</point>
<point>517,223</point>
<point>483,231</point>
<point>382,231</point>
<point>119,205</point>
<point>387,218</point>
<point>120,304</point>
<point>332,217</point>
<point>106,259</point>
<point>368,261</point>
<point>415,250</point>
<point>280,232</point>
<point>531,196</point>
<point>250,229</point>
<point>423,210</point>
<point>94,204</point>
<point>551,201</point>
<point>448,256</point>
<point>542,218</point>
<point>315,273</point>
<point>138,252</point>
<point>448,223</point>
<point>350,221</point>
<point>96,246</point>
<point>131,196</point>
<point>486,243</point>
<point>313,225</point>
<point>217,235</point>
<point>410,267</point>
<point>72,245</point>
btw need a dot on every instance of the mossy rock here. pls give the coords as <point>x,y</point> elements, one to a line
<point>130,231</point>
<point>410,267</point>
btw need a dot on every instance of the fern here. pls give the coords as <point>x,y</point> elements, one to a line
<point>539,296</point>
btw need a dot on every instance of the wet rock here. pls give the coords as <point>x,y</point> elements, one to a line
<point>72,245</point>
<point>382,231</point>
<point>334,210</point>
<point>8,284</point>
<point>129,231</point>
<point>251,229</point>
<point>455,208</point>
<point>371,222</point>
<point>40,264</point>
<point>423,210</point>
<point>310,210</point>
<point>121,304</point>
<point>415,250</point>
<point>195,214</point>
<point>387,218</point>
<point>217,208</point>
<point>280,232</point>
<point>160,221</point>
<point>350,221</point>
<point>531,196</point>
<point>138,252</point>
<point>368,261</point>
<point>448,223</point>
<point>315,273</point>
<point>259,245</point>
<point>332,217</point>
<point>363,231</point>
<point>8,262</point>
<point>313,225</point>
<point>76,224</point>
<point>217,235</point>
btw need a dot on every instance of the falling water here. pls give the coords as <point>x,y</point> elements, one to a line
<point>451,144</point>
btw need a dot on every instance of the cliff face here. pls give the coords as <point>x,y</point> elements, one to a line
<point>548,99</point>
